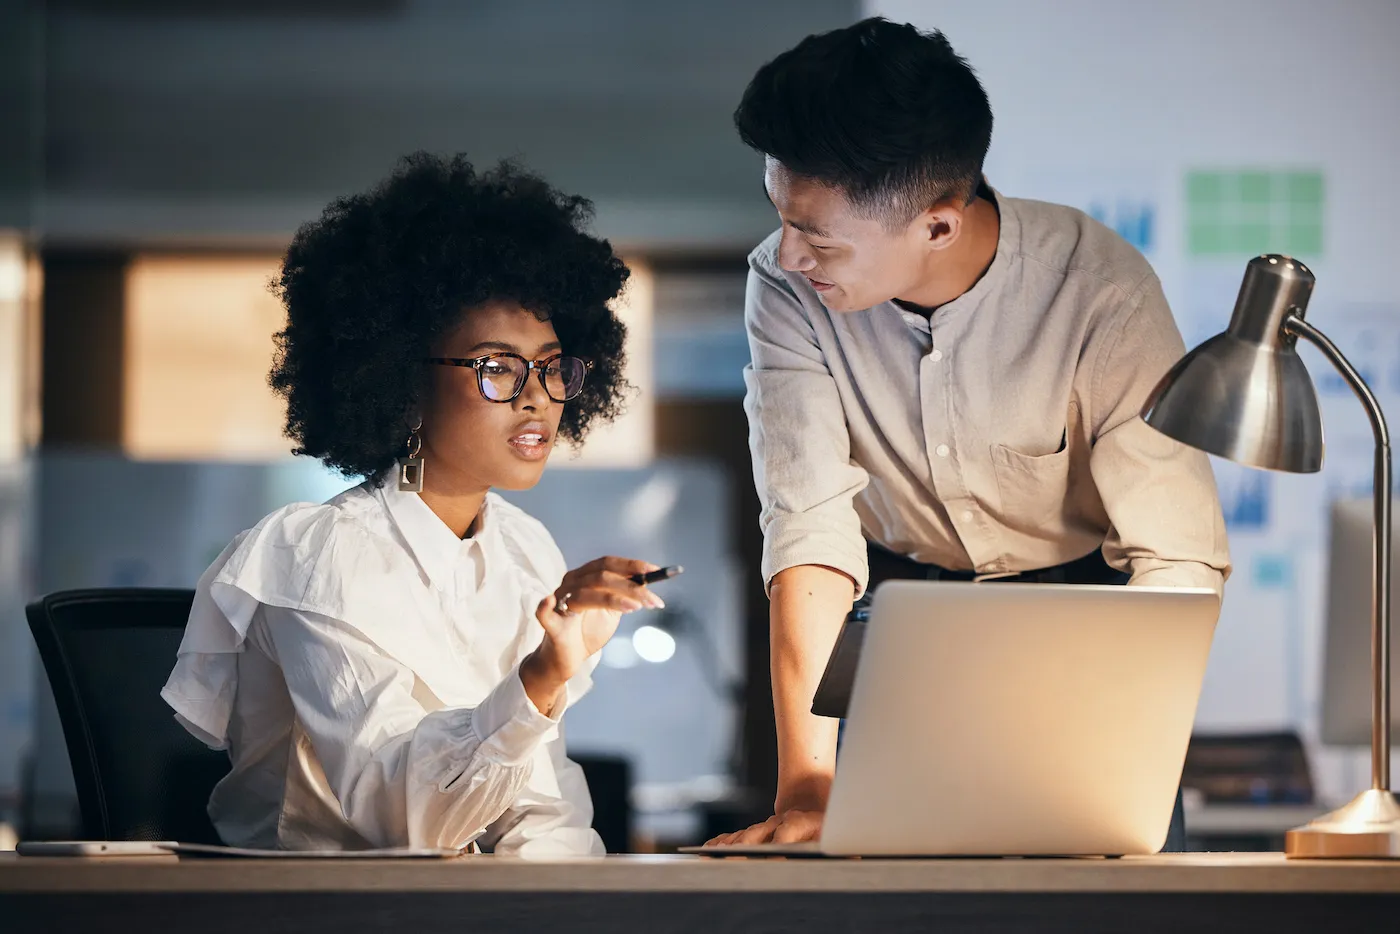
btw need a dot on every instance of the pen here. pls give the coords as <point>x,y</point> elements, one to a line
<point>658,575</point>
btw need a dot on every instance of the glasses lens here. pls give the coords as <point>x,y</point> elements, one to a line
<point>501,378</point>
<point>563,378</point>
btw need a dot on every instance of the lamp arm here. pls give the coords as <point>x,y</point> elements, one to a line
<point>1380,551</point>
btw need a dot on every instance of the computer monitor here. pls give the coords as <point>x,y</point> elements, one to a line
<point>1346,672</point>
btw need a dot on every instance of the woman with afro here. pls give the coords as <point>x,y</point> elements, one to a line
<point>389,669</point>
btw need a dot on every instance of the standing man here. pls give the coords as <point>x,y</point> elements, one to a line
<point>945,382</point>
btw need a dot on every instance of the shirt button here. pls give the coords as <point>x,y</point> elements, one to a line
<point>936,355</point>
<point>968,516</point>
<point>942,450</point>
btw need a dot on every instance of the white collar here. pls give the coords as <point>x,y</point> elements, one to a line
<point>433,545</point>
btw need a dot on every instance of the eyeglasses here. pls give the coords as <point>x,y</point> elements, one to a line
<point>501,376</point>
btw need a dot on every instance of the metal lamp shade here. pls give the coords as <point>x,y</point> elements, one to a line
<point>1245,394</point>
<point>1246,402</point>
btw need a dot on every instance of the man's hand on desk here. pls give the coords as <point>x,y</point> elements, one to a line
<point>791,826</point>
<point>808,604</point>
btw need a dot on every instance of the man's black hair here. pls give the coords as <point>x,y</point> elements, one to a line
<point>891,116</point>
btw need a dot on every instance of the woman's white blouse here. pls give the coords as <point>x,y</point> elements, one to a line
<point>361,665</point>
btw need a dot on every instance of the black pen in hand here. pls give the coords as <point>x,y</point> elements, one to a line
<point>660,574</point>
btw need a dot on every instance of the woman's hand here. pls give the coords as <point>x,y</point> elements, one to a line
<point>578,620</point>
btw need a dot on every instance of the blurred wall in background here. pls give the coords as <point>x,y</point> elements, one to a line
<point>21,165</point>
<point>226,120</point>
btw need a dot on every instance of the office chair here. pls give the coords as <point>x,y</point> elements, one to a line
<point>138,773</point>
<point>609,781</point>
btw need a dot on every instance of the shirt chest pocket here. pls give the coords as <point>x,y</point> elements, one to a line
<point>1032,488</point>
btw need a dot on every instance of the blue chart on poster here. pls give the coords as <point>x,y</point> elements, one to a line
<point>1244,497</point>
<point>1133,219</point>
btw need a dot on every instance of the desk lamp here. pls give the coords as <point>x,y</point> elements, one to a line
<point>1245,395</point>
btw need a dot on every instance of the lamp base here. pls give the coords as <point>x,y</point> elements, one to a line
<point>1368,827</point>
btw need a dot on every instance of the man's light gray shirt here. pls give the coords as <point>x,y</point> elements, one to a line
<point>1000,435</point>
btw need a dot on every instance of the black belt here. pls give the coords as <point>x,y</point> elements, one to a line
<point>1090,569</point>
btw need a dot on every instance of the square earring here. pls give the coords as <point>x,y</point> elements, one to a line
<point>411,464</point>
<point>410,475</point>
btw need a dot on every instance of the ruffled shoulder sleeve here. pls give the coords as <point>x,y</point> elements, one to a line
<point>324,559</point>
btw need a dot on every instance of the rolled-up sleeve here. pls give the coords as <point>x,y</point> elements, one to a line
<point>799,440</point>
<point>405,776</point>
<point>1160,495</point>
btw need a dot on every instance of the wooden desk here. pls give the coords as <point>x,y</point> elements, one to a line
<point>1196,893</point>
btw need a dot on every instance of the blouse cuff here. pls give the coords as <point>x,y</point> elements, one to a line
<point>508,723</point>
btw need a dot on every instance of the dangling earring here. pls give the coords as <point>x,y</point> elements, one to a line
<point>411,464</point>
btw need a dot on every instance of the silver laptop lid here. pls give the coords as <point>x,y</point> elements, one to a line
<point>1019,719</point>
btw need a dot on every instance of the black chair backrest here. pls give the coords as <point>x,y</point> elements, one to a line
<point>609,781</point>
<point>139,774</point>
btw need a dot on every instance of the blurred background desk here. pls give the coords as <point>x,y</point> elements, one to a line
<point>1198,893</point>
<point>1245,827</point>
<point>1244,791</point>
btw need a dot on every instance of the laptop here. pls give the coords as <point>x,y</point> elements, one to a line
<point>1014,720</point>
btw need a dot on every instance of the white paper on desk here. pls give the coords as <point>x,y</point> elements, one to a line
<point>204,849</point>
